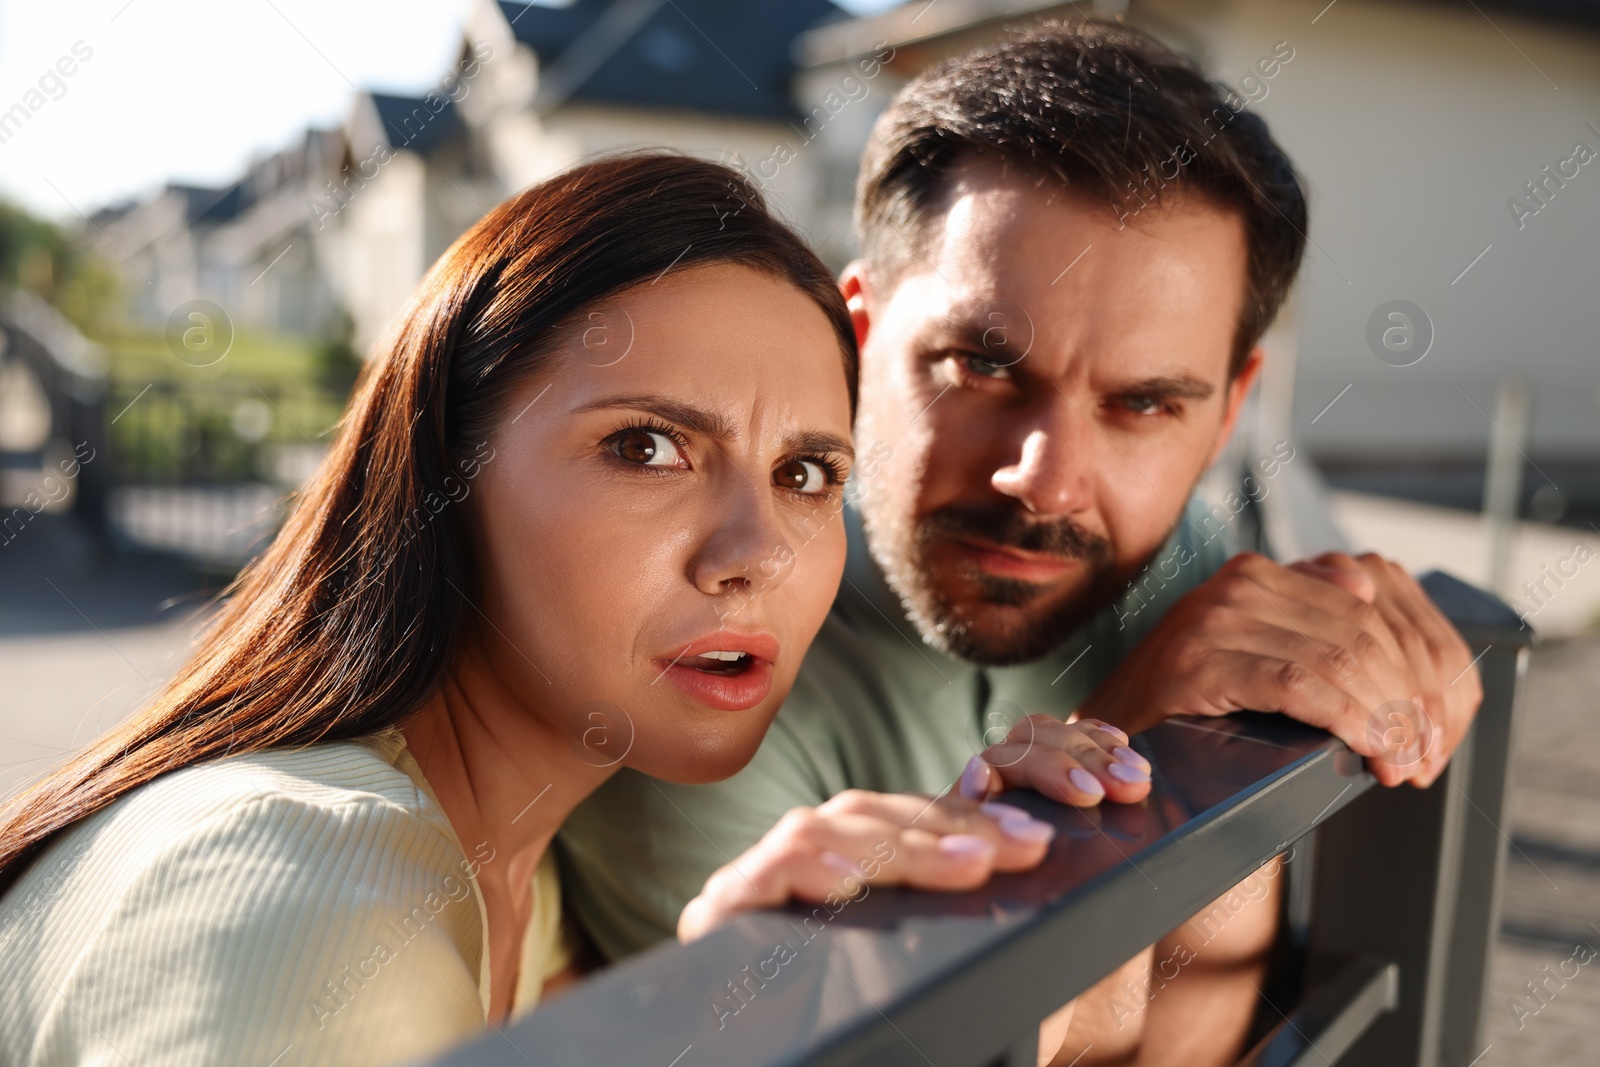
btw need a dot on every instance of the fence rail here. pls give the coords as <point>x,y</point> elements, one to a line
<point>1401,888</point>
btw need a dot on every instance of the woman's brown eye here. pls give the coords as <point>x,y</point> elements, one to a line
<point>801,476</point>
<point>647,449</point>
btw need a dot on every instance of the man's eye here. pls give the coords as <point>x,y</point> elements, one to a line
<point>1143,405</point>
<point>984,367</point>
<point>647,448</point>
<point>803,476</point>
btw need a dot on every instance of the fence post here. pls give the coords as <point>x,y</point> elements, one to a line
<point>1414,875</point>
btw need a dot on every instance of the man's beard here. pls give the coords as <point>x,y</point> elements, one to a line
<point>904,555</point>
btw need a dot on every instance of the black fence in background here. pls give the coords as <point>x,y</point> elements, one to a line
<point>202,468</point>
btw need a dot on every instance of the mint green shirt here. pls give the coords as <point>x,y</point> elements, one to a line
<point>873,708</point>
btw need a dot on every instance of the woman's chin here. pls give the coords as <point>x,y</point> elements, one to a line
<point>697,753</point>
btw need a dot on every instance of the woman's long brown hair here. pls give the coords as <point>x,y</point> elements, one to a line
<point>345,624</point>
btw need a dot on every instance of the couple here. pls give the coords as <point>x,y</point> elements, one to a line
<point>580,540</point>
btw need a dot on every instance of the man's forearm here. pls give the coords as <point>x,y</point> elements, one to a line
<point>1208,975</point>
<point>1188,1000</point>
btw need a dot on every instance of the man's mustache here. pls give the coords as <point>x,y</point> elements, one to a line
<point>1010,527</point>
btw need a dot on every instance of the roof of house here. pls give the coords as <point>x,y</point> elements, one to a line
<point>729,57</point>
<point>408,121</point>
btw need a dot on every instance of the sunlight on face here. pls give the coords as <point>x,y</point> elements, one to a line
<point>1052,387</point>
<point>659,526</point>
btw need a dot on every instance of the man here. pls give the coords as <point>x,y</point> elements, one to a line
<point>1071,245</point>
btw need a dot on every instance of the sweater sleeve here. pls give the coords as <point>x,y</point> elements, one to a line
<point>280,931</point>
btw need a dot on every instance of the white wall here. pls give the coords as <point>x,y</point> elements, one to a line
<point>1413,124</point>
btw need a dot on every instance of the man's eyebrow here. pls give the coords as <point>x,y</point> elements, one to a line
<point>1167,387</point>
<point>701,421</point>
<point>962,329</point>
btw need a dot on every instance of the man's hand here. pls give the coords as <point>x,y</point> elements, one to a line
<point>1347,644</point>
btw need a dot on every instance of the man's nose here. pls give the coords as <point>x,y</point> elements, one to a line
<point>1050,472</point>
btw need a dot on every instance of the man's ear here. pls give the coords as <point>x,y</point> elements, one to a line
<point>1238,389</point>
<point>856,286</point>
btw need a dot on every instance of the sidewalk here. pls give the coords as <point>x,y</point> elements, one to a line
<point>1565,580</point>
<point>80,649</point>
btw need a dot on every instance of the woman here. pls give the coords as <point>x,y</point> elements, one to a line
<point>582,514</point>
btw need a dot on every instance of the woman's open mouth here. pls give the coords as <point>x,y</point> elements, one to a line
<point>719,662</point>
<point>731,672</point>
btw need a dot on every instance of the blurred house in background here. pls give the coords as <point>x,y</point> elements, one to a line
<point>411,180</point>
<point>250,246</point>
<point>538,88</point>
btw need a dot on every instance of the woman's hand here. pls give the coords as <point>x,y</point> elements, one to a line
<point>1079,763</point>
<point>876,838</point>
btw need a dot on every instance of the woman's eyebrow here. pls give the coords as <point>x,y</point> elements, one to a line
<point>819,441</point>
<point>701,421</point>
<point>717,426</point>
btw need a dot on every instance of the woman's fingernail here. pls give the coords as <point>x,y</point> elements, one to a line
<point>1026,828</point>
<point>1130,757</point>
<point>1086,782</point>
<point>975,779</point>
<point>999,812</point>
<point>1124,772</point>
<point>965,846</point>
<point>1108,728</point>
<point>837,862</point>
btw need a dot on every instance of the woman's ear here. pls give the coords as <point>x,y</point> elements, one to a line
<point>856,288</point>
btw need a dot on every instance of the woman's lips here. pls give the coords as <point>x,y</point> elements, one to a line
<point>725,670</point>
<point>727,692</point>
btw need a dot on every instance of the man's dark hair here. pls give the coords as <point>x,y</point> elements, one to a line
<point>1105,109</point>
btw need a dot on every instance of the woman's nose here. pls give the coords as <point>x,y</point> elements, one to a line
<point>745,549</point>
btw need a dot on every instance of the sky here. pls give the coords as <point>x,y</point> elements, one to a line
<point>188,90</point>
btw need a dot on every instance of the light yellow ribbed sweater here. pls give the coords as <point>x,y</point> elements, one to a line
<point>277,908</point>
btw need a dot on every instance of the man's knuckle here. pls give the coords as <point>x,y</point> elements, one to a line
<point>796,824</point>
<point>1293,678</point>
<point>851,801</point>
<point>1345,660</point>
<point>1368,649</point>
